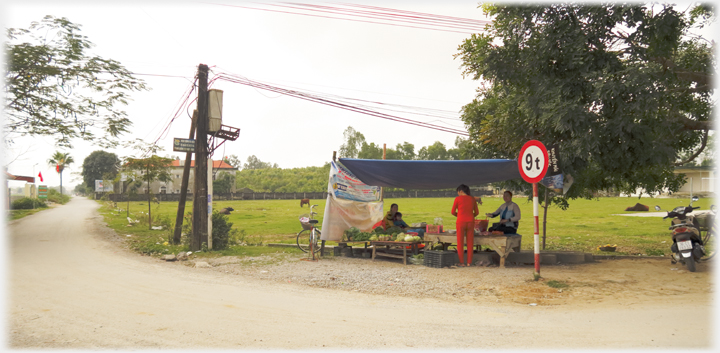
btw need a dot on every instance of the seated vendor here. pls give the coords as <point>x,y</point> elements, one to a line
<point>509,213</point>
<point>389,219</point>
<point>404,226</point>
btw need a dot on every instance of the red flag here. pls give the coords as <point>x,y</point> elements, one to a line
<point>40,175</point>
<point>57,168</point>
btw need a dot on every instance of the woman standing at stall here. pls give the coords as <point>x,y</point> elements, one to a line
<point>465,209</point>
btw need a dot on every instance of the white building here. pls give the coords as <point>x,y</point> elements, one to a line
<point>176,172</point>
<point>697,179</point>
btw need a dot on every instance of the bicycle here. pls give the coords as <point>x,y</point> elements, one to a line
<point>710,231</point>
<point>308,238</point>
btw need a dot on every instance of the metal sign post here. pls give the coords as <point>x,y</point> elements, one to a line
<point>533,165</point>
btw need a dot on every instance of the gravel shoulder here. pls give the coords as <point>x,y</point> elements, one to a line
<point>606,282</point>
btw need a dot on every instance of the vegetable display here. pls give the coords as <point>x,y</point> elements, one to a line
<point>379,234</point>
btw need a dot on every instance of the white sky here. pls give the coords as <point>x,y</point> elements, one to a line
<point>376,62</point>
<point>388,64</point>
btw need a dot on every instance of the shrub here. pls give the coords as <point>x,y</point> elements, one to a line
<point>27,203</point>
<point>54,196</point>
<point>222,233</point>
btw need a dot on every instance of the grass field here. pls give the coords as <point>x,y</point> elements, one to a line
<point>583,227</point>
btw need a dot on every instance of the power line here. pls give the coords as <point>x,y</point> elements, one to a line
<point>327,100</point>
<point>379,15</point>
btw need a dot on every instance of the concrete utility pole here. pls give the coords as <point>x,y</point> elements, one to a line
<point>184,186</point>
<point>200,200</point>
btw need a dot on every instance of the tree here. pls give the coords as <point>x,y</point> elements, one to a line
<point>622,89</point>
<point>233,160</point>
<point>99,165</point>
<point>148,170</point>
<point>436,151</point>
<point>59,160</point>
<point>81,189</point>
<point>254,163</point>
<point>55,87</point>
<point>223,183</point>
<point>405,151</point>
<point>353,143</point>
<point>370,151</point>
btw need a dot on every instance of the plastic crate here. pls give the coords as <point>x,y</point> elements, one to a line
<point>440,258</point>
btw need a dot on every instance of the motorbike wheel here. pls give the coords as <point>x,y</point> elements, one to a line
<point>690,263</point>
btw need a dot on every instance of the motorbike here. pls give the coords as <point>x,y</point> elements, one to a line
<point>687,247</point>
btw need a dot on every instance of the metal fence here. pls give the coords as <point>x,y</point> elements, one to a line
<point>288,195</point>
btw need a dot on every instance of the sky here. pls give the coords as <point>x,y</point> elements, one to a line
<point>381,63</point>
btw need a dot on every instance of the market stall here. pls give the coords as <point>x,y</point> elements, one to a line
<point>353,190</point>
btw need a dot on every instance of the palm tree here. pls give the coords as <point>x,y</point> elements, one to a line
<point>60,160</point>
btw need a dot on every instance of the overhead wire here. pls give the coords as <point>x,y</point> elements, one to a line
<point>183,102</point>
<point>327,100</point>
<point>437,23</point>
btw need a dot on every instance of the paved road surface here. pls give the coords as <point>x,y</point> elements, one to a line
<point>70,287</point>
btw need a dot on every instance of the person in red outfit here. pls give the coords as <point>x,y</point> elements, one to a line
<point>465,209</point>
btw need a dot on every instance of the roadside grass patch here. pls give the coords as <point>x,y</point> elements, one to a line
<point>557,284</point>
<point>17,214</point>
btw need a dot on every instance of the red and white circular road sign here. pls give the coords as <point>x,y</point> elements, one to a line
<point>533,161</point>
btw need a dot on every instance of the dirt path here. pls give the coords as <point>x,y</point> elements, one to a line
<point>72,285</point>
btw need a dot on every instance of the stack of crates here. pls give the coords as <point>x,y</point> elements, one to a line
<point>440,259</point>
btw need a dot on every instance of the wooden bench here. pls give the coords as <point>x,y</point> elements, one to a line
<point>502,244</point>
<point>386,246</point>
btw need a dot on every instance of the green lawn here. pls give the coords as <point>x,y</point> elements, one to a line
<point>584,226</point>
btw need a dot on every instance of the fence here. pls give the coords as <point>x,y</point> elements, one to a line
<point>288,195</point>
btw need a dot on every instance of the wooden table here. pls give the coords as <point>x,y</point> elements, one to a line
<point>502,244</point>
<point>393,245</point>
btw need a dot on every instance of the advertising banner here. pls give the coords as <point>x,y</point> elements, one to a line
<point>344,185</point>
<point>350,203</point>
<point>102,186</point>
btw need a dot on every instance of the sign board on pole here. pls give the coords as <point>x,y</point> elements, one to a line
<point>183,145</point>
<point>533,161</point>
<point>533,165</point>
<point>42,191</point>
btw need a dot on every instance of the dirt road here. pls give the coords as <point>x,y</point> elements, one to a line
<point>71,287</point>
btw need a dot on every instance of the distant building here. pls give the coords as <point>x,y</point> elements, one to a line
<point>697,179</point>
<point>176,172</point>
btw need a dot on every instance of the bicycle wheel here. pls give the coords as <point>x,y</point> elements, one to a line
<point>303,240</point>
<point>709,242</point>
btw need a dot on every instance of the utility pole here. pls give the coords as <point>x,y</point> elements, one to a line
<point>200,199</point>
<point>184,186</point>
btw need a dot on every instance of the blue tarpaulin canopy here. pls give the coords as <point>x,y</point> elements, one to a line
<point>431,174</point>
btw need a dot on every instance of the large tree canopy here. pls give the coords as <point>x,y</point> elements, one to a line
<point>54,87</point>
<point>623,89</point>
<point>99,165</point>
